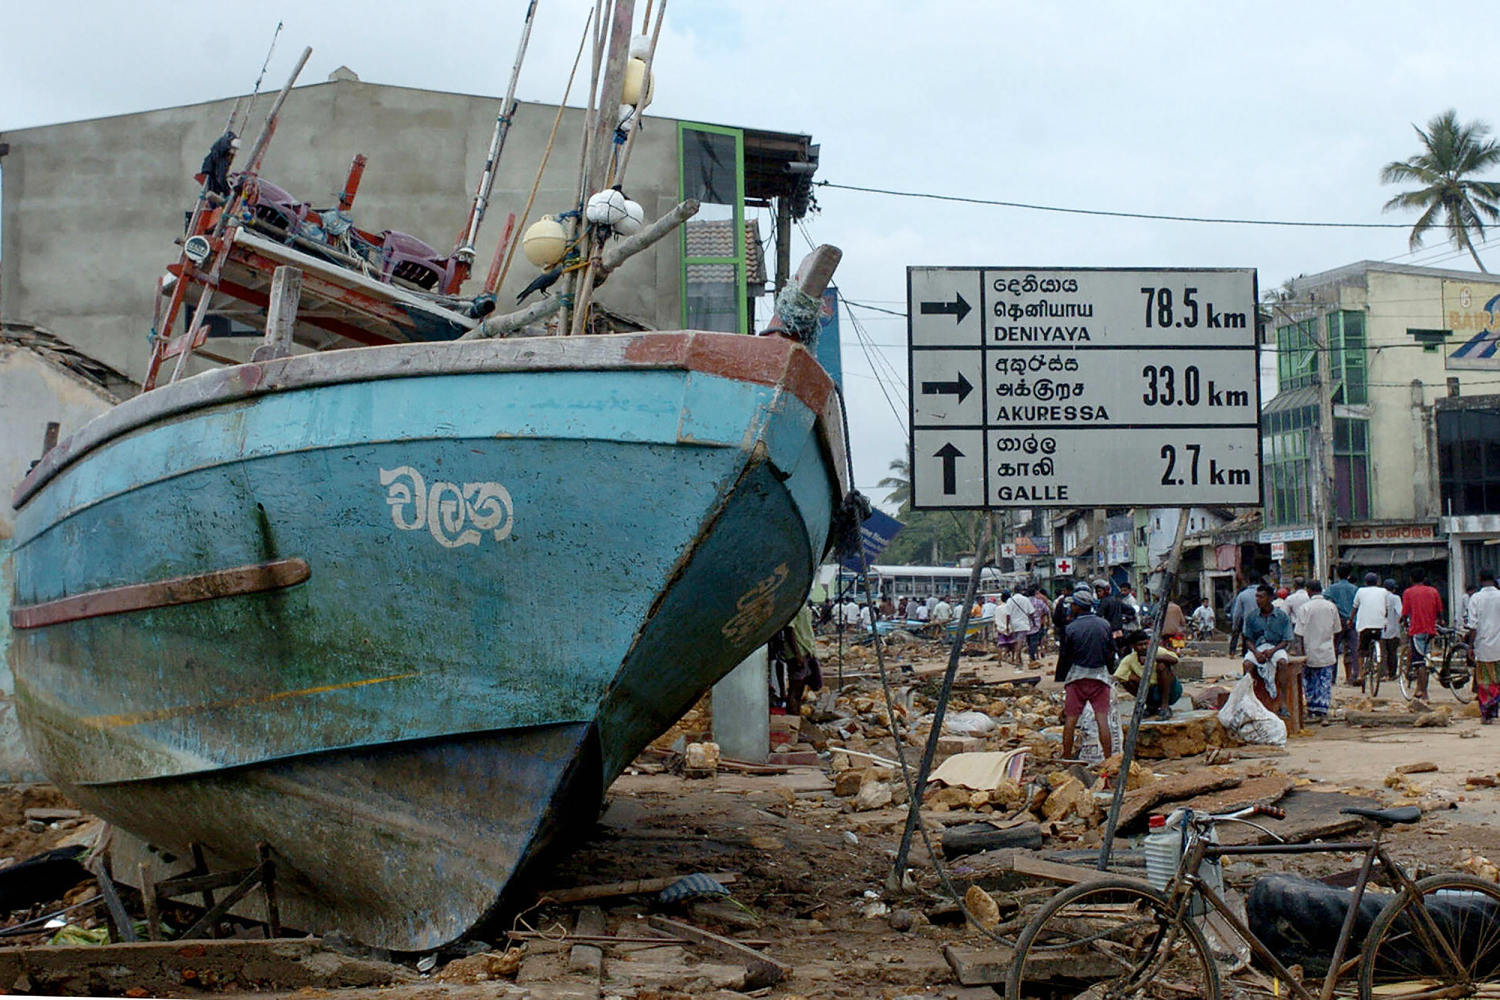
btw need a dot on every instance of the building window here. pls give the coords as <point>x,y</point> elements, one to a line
<point>1296,355</point>
<point>1469,460</point>
<point>712,164</point>
<point>1351,455</point>
<point>1346,360</point>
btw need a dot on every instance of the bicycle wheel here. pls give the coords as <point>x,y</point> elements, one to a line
<point>1456,673</point>
<point>1406,675</point>
<point>1371,669</point>
<point>1111,937</point>
<point>1441,940</point>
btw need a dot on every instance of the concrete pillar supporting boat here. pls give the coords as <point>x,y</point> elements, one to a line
<point>742,710</point>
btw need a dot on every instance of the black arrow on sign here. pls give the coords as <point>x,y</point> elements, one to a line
<point>950,456</point>
<point>961,388</point>
<point>958,308</point>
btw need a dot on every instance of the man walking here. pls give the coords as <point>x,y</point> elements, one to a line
<point>1484,633</point>
<point>1317,624</point>
<point>1342,595</point>
<point>1390,636</point>
<point>1369,622</point>
<point>1041,617</point>
<point>1421,610</point>
<point>1268,633</point>
<point>1109,607</point>
<point>1083,666</point>
<point>1240,609</point>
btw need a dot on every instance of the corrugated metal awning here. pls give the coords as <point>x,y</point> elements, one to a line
<point>1393,555</point>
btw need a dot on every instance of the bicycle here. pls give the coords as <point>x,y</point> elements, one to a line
<point>1371,669</point>
<point>1447,659</point>
<point>1118,937</point>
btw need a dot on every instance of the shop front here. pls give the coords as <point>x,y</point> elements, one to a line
<point>1392,549</point>
<point>1473,546</point>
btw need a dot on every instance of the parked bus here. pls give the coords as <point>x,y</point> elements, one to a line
<point>926,581</point>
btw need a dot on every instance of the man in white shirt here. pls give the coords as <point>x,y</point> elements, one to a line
<point>942,612</point>
<point>1203,618</point>
<point>1014,623</point>
<point>1318,622</point>
<point>1369,621</point>
<point>1483,621</point>
<point>1296,598</point>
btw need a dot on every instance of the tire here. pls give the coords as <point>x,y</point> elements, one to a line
<point>1412,939</point>
<point>1456,672</point>
<point>1370,669</point>
<point>1406,676</point>
<point>1106,937</point>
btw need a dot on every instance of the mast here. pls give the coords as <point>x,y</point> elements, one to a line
<point>465,249</point>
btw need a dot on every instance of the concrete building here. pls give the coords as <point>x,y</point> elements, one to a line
<point>91,208</point>
<point>1388,376</point>
<point>47,390</point>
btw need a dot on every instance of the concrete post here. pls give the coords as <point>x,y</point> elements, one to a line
<point>742,710</point>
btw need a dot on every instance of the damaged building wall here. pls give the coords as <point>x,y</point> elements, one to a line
<point>34,391</point>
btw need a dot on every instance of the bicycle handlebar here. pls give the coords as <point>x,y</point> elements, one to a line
<point>1241,814</point>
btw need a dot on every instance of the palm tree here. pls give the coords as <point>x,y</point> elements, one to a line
<point>898,484</point>
<point>1452,153</point>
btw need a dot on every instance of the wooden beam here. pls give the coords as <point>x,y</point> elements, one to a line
<point>252,579</point>
<point>761,969</point>
<point>281,314</point>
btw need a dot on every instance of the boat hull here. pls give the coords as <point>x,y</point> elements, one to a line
<point>517,573</point>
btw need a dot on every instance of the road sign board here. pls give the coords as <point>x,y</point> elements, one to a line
<point>1078,387</point>
<point>1064,567</point>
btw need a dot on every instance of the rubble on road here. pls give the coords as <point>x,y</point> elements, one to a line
<point>800,849</point>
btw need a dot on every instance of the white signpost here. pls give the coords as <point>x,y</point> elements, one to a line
<point>1083,388</point>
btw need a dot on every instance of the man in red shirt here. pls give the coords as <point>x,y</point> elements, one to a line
<point>1421,609</point>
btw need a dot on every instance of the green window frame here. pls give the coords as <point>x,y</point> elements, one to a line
<point>1296,355</point>
<point>688,133</point>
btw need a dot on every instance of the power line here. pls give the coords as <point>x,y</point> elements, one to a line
<point>1119,215</point>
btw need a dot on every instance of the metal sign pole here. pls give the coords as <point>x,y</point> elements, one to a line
<point>1148,676</point>
<point>896,880</point>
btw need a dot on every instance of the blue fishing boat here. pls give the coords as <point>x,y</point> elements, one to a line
<point>403,613</point>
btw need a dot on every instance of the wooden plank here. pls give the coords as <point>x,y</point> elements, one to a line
<point>760,969</point>
<point>281,314</point>
<point>1052,871</point>
<point>252,579</point>
<point>583,957</point>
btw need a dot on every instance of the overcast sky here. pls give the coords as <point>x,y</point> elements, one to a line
<point>1265,111</point>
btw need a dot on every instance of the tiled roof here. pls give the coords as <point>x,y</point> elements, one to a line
<point>715,238</point>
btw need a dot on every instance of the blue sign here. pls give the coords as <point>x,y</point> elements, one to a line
<point>828,337</point>
<point>874,535</point>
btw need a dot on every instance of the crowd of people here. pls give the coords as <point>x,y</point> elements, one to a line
<point>1350,620</point>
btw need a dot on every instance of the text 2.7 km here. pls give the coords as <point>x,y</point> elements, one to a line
<point>1187,474</point>
<point>1162,390</point>
<point>1160,311</point>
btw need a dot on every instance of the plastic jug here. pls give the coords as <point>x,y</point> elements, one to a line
<point>1163,852</point>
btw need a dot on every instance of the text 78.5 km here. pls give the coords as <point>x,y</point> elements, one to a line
<point>1159,311</point>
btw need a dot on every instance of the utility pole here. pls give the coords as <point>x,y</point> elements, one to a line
<point>1328,474</point>
<point>1322,465</point>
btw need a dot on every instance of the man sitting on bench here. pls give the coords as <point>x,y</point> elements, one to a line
<point>1166,690</point>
